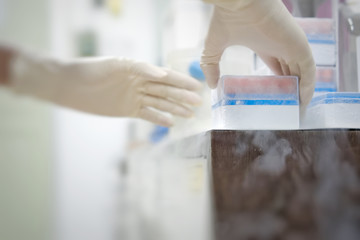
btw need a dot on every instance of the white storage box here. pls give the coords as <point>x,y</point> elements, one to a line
<point>333,110</point>
<point>256,102</point>
<point>320,33</point>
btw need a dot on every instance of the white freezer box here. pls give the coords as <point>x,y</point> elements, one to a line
<point>333,110</point>
<point>320,33</point>
<point>256,102</point>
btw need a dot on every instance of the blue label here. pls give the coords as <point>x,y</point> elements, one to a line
<point>321,41</point>
<point>256,102</point>
<point>325,87</point>
<point>331,98</point>
<point>321,89</point>
<point>241,96</point>
<point>333,101</point>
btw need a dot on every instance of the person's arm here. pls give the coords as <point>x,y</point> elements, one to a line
<point>266,27</point>
<point>109,86</point>
<point>6,54</point>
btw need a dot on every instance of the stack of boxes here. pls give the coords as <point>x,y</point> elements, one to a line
<point>320,33</point>
<point>328,108</point>
<point>240,103</point>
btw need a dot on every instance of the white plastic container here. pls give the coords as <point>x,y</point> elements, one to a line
<point>333,110</point>
<point>256,102</point>
<point>320,33</point>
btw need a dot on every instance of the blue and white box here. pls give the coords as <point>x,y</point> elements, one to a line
<point>321,36</point>
<point>256,102</point>
<point>333,110</point>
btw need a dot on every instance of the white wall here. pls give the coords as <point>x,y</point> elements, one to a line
<point>25,134</point>
<point>88,148</point>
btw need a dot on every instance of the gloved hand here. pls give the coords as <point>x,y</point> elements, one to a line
<point>107,86</point>
<point>266,27</point>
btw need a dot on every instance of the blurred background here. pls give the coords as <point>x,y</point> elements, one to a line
<point>60,169</point>
<point>59,174</point>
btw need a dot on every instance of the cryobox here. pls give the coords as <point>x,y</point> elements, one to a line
<point>256,102</point>
<point>320,33</point>
<point>325,80</point>
<point>333,110</point>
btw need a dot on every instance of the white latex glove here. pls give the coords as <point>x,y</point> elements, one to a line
<point>107,86</point>
<point>266,27</point>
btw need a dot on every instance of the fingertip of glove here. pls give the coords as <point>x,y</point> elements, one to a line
<point>212,83</point>
<point>151,70</point>
<point>302,112</point>
<point>197,85</point>
<point>165,120</point>
<point>197,100</point>
<point>305,100</point>
<point>211,73</point>
<point>212,80</point>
